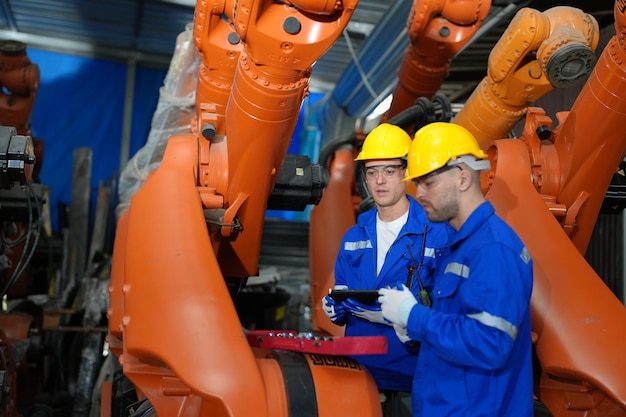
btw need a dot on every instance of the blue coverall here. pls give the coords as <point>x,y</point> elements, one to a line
<point>475,356</point>
<point>356,268</point>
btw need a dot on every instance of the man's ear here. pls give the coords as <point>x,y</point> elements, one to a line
<point>465,179</point>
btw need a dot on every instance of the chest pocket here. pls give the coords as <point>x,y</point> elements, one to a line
<point>354,258</point>
<point>447,287</point>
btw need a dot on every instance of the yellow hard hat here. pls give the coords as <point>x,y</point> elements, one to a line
<point>385,141</point>
<point>441,143</point>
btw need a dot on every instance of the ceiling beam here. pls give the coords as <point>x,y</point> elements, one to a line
<point>88,49</point>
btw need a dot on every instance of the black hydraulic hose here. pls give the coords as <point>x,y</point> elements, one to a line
<point>367,201</point>
<point>442,108</point>
<point>328,150</point>
<point>424,112</point>
<point>414,115</point>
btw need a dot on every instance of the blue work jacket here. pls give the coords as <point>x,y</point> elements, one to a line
<point>356,268</point>
<point>475,357</point>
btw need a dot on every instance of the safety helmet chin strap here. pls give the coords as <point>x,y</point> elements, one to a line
<point>472,162</point>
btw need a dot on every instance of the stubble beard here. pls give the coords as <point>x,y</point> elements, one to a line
<point>447,210</point>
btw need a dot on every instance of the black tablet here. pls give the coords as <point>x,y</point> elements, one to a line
<point>369,297</point>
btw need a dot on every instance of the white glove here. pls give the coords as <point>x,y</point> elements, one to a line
<point>402,333</point>
<point>396,305</point>
<point>365,312</point>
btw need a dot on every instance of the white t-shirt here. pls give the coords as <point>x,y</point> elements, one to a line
<point>386,233</point>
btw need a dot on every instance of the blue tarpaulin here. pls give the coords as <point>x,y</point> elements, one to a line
<point>80,103</point>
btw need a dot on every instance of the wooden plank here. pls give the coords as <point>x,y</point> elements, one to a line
<point>100,225</point>
<point>79,215</point>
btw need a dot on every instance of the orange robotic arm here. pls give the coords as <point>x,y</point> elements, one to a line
<point>249,137</point>
<point>537,52</point>
<point>549,185</point>
<point>19,79</point>
<point>195,226</point>
<point>438,29</point>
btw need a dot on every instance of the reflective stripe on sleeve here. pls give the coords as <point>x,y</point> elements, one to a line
<point>495,322</point>
<point>360,244</point>
<point>525,255</point>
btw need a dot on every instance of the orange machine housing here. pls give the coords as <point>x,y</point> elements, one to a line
<point>194,229</point>
<point>550,189</point>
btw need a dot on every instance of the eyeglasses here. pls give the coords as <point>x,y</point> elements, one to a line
<point>387,171</point>
<point>428,180</point>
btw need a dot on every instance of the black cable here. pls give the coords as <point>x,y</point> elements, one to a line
<point>20,268</point>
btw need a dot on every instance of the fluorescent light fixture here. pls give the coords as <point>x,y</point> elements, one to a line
<point>186,3</point>
<point>360,27</point>
<point>381,108</point>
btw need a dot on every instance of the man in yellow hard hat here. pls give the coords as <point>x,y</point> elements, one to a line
<point>475,357</point>
<point>391,244</point>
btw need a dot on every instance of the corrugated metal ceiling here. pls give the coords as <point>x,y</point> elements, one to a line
<point>146,31</point>
<point>108,29</point>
